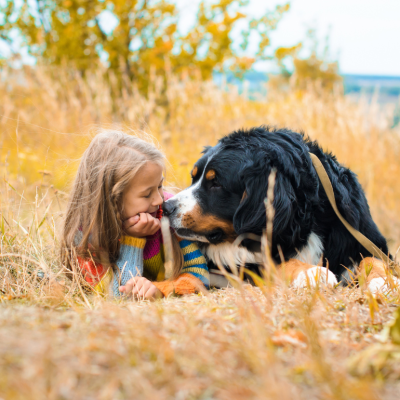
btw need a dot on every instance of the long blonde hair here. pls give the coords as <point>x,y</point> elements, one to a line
<point>108,165</point>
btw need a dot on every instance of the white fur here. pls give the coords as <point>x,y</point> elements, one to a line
<point>313,276</point>
<point>380,285</point>
<point>186,203</point>
<point>312,252</point>
<point>228,254</point>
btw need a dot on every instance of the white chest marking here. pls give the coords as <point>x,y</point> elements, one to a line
<point>312,252</point>
<point>228,254</point>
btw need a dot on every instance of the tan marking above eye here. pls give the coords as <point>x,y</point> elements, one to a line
<point>244,196</point>
<point>194,172</point>
<point>210,175</point>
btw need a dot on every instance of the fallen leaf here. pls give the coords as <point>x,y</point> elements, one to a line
<point>292,336</point>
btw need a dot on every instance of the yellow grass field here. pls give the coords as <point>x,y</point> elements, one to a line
<point>57,342</point>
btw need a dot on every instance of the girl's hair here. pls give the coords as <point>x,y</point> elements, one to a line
<point>108,165</point>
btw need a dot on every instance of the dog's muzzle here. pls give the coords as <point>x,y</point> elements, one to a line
<point>169,208</point>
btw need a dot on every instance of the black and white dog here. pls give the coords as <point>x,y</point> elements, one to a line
<point>226,199</point>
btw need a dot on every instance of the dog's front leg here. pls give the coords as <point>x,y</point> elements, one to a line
<point>299,274</point>
<point>183,284</point>
<point>376,275</point>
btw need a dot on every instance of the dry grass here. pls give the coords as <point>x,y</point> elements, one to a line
<point>57,342</point>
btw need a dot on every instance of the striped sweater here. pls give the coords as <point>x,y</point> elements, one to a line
<point>145,257</point>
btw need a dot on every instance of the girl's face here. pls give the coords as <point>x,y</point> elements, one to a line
<point>144,194</point>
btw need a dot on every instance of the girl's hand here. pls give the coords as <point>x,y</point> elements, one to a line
<point>141,225</point>
<point>141,288</point>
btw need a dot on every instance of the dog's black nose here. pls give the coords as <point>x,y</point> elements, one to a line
<point>168,208</point>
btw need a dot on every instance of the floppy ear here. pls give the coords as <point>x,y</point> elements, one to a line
<point>250,217</point>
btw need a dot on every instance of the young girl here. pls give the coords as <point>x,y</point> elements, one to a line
<point>112,223</point>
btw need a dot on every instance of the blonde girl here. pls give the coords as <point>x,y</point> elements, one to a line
<point>112,225</point>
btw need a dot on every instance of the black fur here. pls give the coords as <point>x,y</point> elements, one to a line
<point>243,161</point>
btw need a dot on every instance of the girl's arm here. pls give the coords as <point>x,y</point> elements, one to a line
<point>129,263</point>
<point>194,276</point>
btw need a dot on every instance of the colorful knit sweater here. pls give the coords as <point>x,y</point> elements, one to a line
<point>144,257</point>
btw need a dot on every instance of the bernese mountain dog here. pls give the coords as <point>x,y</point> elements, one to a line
<point>226,199</point>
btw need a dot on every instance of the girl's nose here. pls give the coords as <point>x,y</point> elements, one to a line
<point>158,200</point>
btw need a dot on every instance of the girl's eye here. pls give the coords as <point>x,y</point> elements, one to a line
<point>148,196</point>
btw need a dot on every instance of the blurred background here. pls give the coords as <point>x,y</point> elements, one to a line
<point>189,72</point>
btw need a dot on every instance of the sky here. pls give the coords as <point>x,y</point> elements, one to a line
<point>364,34</point>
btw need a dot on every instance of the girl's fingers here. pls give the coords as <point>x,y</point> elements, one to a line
<point>131,222</point>
<point>133,285</point>
<point>143,218</point>
<point>127,288</point>
<point>145,225</point>
<point>138,286</point>
<point>142,288</point>
<point>142,292</point>
<point>156,225</point>
<point>153,293</point>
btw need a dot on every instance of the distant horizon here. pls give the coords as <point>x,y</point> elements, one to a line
<point>360,75</point>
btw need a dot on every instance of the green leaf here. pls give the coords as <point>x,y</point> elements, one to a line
<point>44,217</point>
<point>12,187</point>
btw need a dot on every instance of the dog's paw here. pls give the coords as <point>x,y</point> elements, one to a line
<point>314,276</point>
<point>380,285</point>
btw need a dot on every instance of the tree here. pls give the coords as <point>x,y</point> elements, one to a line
<point>314,68</point>
<point>146,39</point>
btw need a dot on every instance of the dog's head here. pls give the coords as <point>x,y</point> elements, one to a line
<point>230,183</point>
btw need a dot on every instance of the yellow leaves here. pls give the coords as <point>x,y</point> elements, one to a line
<point>394,328</point>
<point>243,63</point>
<point>316,69</point>
<point>71,33</point>
<point>284,8</point>
<point>283,52</point>
<point>373,305</point>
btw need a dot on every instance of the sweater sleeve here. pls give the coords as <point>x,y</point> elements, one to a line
<point>129,263</point>
<point>194,262</point>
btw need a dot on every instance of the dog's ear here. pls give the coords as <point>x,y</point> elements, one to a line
<point>250,217</point>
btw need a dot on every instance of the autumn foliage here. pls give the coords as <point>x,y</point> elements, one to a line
<point>146,40</point>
